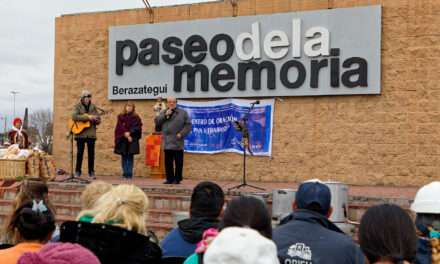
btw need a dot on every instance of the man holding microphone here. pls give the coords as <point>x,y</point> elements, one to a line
<point>175,125</point>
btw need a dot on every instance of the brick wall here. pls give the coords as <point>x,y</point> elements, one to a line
<point>391,139</point>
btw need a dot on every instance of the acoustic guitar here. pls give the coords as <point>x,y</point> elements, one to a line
<point>76,127</point>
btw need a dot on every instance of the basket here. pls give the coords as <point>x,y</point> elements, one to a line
<point>12,169</point>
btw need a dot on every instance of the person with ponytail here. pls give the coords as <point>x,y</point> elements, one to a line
<point>34,224</point>
<point>29,190</point>
<point>387,235</point>
<point>123,206</point>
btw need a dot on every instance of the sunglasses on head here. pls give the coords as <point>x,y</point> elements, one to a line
<point>88,96</point>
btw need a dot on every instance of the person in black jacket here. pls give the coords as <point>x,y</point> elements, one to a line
<point>128,131</point>
<point>307,236</point>
<point>115,228</point>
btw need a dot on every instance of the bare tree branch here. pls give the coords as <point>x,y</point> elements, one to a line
<point>41,129</point>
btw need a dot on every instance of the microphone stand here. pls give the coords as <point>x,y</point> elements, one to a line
<point>72,177</point>
<point>245,141</point>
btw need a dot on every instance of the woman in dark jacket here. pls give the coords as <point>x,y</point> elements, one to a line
<point>128,131</point>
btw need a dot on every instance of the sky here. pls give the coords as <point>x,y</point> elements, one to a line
<point>27,47</point>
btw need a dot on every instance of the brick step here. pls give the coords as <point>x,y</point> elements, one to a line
<point>9,195</point>
<point>64,218</point>
<point>64,196</point>
<point>154,215</point>
<point>160,229</point>
<point>73,197</point>
<point>161,216</point>
<point>67,209</point>
<point>6,206</point>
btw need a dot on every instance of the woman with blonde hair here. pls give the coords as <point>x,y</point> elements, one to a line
<point>93,192</point>
<point>128,131</point>
<point>115,229</point>
<point>124,206</point>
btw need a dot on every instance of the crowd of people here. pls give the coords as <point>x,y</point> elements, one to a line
<point>111,228</point>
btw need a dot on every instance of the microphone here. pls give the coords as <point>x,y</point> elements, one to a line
<point>256,102</point>
<point>167,114</point>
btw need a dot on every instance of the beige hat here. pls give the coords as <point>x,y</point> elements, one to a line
<point>85,93</point>
<point>236,245</point>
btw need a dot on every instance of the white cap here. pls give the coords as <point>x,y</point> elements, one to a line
<point>236,245</point>
<point>85,93</point>
<point>427,199</point>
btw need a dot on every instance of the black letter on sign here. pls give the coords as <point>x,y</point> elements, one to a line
<point>213,47</point>
<point>195,44</point>
<point>361,71</point>
<point>257,70</point>
<point>150,48</point>
<point>284,74</point>
<point>217,75</point>
<point>334,68</point>
<point>191,72</point>
<point>172,50</point>
<point>315,69</point>
<point>120,60</point>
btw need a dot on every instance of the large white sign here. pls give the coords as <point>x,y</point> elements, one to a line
<point>328,52</point>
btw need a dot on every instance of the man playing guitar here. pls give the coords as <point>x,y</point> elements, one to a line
<point>85,111</point>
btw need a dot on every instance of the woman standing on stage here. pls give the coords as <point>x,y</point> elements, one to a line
<point>128,131</point>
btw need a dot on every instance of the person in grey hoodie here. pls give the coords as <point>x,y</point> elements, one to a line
<point>175,125</point>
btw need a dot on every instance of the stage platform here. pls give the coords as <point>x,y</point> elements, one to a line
<point>166,200</point>
<point>354,190</point>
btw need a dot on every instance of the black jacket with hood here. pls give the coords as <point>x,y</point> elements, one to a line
<point>182,241</point>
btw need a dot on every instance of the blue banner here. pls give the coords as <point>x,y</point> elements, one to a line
<point>215,126</point>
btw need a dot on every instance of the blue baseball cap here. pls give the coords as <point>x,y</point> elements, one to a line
<point>313,192</point>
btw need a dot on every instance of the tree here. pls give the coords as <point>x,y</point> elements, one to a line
<point>41,129</point>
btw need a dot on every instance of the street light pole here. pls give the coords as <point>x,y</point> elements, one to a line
<point>3,139</point>
<point>14,93</point>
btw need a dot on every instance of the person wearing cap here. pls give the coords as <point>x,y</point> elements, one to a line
<point>308,236</point>
<point>426,205</point>
<point>18,135</point>
<point>238,245</point>
<point>85,111</point>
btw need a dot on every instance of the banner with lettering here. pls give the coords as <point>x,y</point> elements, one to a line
<point>216,126</point>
